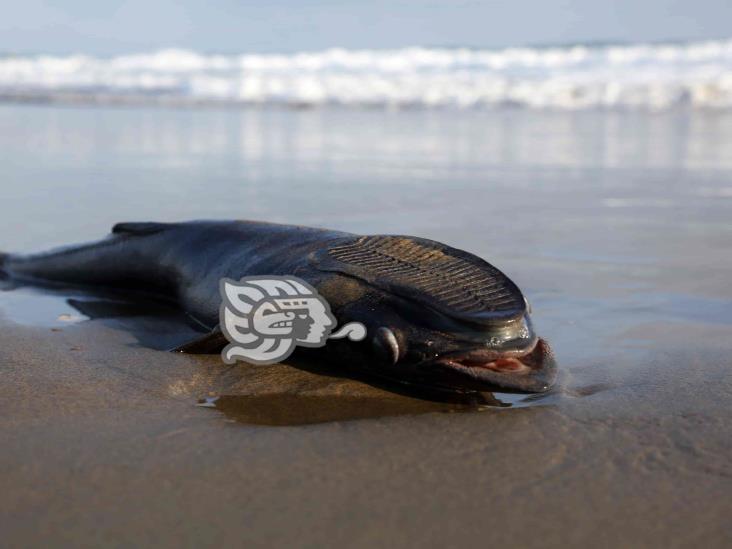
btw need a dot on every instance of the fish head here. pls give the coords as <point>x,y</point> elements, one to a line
<point>410,342</point>
<point>435,316</point>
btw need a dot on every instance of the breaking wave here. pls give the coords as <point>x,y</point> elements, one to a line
<point>642,76</point>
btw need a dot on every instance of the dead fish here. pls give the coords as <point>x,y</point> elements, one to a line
<point>434,315</point>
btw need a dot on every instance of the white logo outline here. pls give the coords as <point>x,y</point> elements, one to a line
<point>265,318</point>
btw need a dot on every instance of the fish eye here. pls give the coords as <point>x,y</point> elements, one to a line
<point>386,345</point>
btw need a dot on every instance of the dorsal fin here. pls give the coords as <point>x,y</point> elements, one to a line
<point>141,227</point>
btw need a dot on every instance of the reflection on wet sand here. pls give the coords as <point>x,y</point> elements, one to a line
<point>260,143</point>
<point>281,409</point>
<point>304,392</point>
<point>401,169</point>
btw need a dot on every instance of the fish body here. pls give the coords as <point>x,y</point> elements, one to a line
<point>434,315</point>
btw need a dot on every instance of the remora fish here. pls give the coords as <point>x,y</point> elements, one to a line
<point>435,315</point>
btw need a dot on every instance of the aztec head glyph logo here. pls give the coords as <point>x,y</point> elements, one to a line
<point>266,317</point>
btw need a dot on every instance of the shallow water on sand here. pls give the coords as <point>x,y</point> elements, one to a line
<point>616,226</point>
<point>610,222</point>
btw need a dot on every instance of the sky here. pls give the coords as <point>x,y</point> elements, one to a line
<point>109,27</point>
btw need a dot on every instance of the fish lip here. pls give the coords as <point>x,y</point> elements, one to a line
<point>537,378</point>
<point>478,355</point>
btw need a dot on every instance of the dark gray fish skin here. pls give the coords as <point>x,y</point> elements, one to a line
<point>434,315</point>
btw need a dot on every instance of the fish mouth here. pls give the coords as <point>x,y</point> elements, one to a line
<point>529,370</point>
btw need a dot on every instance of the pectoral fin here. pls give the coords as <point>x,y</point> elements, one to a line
<point>210,343</point>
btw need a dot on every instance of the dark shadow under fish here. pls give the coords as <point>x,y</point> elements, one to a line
<point>435,315</point>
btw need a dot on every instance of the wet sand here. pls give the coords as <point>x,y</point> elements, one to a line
<point>623,251</point>
<point>102,443</point>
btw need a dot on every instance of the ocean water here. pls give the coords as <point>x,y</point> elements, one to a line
<point>630,76</point>
<point>617,225</point>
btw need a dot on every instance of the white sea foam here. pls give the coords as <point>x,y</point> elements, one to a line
<point>640,76</point>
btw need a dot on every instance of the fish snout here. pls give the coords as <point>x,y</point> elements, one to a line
<point>529,370</point>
